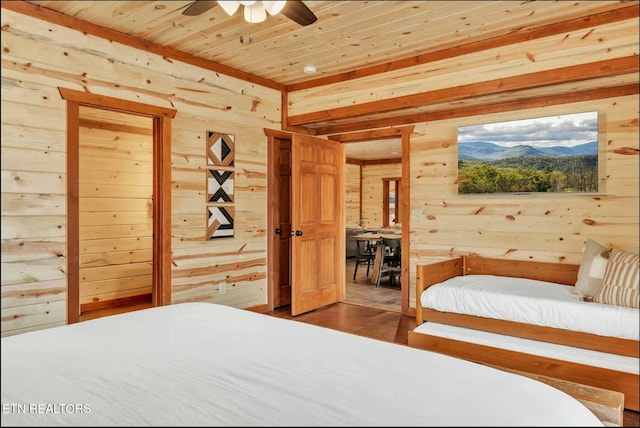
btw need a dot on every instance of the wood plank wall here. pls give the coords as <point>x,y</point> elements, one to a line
<point>542,227</point>
<point>600,43</point>
<point>37,58</point>
<point>538,227</point>
<point>352,195</point>
<point>364,192</point>
<point>116,208</point>
<point>372,191</point>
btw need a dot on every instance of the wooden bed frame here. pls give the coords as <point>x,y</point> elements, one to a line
<point>431,274</point>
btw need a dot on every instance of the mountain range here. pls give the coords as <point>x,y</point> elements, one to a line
<point>481,150</point>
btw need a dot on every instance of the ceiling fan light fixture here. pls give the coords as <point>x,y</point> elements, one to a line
<point>274,7</point>
<point>229,6</point>
<point>255,13</point>
<point>256,10</point>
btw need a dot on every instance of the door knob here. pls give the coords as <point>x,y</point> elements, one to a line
<point>298,233</point>
<point>278,231</point>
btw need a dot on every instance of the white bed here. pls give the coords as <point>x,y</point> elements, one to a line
<point>530,301</point>
<point>205,364</point>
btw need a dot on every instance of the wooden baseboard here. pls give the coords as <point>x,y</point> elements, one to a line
<point>102,304</point>
<point>260,309</point>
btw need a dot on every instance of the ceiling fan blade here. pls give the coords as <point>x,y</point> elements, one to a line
<point>297,11</point>
<point>198,7</point>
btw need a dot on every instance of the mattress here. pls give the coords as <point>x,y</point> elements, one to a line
<point>532,302</point>
<point>202,364</point>
<point>545,349</point>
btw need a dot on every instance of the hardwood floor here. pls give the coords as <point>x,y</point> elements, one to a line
<point>364,321</point>
<point>378,324</point>
<point>631,419</point>
<point>364,293</point>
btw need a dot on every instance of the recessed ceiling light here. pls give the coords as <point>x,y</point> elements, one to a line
<point>309,69</point>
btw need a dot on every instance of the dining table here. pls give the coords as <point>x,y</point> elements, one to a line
<point>376,239</point>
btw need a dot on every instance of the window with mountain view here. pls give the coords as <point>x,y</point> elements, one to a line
<point>545,154</point>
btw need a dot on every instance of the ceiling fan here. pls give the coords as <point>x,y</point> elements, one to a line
<point>255,11</point>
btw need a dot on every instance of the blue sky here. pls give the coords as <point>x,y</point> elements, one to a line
<point>565,130</point>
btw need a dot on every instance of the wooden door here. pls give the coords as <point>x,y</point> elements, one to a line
<point>282,221</point>
<point>317,249</point>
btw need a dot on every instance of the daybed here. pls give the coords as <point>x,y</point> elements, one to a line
<point>204,364</point>
<point>534,322</point>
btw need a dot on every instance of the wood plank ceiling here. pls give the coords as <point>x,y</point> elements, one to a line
<point>351,39</point>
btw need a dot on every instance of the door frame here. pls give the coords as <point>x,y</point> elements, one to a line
<point>281,295</point>
<point>272,208</point>
<point>161,289</point>
<point>403,132</point>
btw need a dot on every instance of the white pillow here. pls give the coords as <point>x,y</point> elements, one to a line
<point>589,281</point>
<point>599,265</point>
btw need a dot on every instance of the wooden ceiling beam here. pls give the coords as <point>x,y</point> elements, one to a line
<point>518,36</point>
<point>376,134</point>
<point>575,73</point>
<point>369,162</point>
<point>497,107</point>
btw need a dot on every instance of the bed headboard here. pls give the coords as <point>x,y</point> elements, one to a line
<point>542,271</point>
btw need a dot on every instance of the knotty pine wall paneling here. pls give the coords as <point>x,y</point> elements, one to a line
<point>37,58</point>
<point>372,191</point>
<point>541,227</point>
<point>116,208</point>
<point>352,195</point>
<point>601,43</point>
<point>533,227</point>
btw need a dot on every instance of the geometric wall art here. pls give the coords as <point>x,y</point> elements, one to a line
<point>220,149</point>
<point>220,222</point>
<point>219,185</point>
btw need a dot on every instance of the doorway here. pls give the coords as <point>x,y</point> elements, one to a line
<point>304,182</point>
<point>276,248</point>
<point>374,177</point>
<point>282,220</point>
<point>118,232</point>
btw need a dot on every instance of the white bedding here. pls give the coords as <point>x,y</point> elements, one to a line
<point>206,364</point>
<point>545,349</point>
<point>532,302</point>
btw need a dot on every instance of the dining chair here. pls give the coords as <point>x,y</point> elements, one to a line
<point>365,254</point>
<point>391,260</point>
